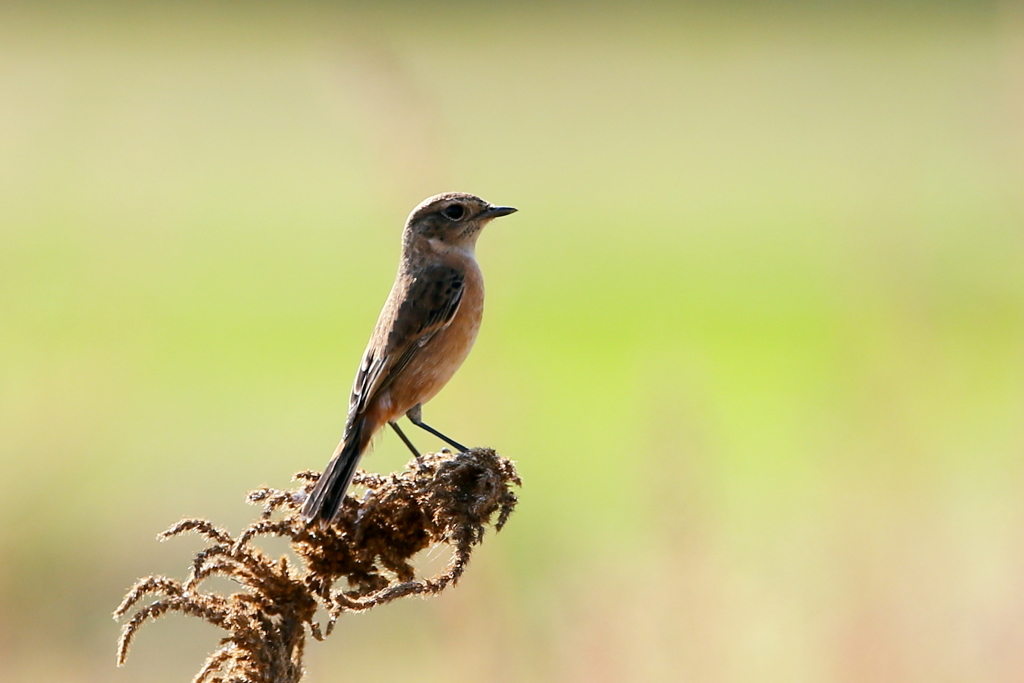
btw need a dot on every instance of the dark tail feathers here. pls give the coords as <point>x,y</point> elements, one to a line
<point>327,496</point>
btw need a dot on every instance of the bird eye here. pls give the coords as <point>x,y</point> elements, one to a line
<point>455,211</point>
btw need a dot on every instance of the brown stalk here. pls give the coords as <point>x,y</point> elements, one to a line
<point>443,498</point>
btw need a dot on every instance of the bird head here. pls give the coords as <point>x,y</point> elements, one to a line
<point>451,221</point>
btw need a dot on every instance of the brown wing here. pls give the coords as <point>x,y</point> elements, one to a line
<point>426,307</point>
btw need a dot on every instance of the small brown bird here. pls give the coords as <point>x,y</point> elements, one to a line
<point>425,331</point>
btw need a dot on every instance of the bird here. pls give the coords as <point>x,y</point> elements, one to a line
<point>424,333</point>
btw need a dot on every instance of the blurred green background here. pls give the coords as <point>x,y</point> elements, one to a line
<point>755,338</point>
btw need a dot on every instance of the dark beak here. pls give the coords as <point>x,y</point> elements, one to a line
<point>497,212</point>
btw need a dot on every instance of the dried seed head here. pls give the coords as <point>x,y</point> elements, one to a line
<point>443,499</point>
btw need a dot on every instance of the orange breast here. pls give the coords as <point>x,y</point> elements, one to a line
<point>438,361</point>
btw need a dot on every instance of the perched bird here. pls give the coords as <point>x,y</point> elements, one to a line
<point>423,335</point>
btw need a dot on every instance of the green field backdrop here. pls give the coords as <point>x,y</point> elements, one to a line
<point>755,338</point>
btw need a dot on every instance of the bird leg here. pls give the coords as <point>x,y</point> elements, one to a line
<point>415,416</point>
<point>405,439</point>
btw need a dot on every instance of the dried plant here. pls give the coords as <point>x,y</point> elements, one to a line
<point>443,498</point>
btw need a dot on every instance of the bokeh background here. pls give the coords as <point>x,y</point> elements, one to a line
<point>755,338</point>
